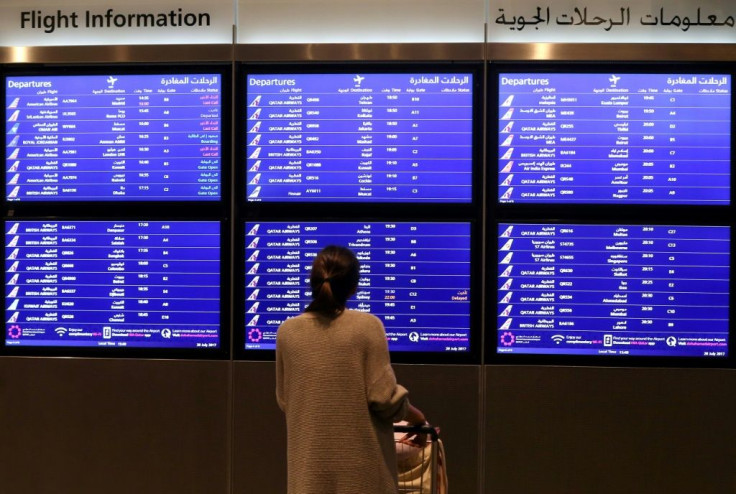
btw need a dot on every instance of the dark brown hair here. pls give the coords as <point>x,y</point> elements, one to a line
<point>334,278</point>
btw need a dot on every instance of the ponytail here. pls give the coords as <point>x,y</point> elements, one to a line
<point>334,278</point>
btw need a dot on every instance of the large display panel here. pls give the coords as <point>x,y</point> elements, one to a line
<point>586,134</point>
<point>361,136</point>
<point>415,276</point>
<point>615,290</point>
<point>113,284</point>
<point>72,135</point>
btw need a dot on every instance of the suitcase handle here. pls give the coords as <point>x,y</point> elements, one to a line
<point>428,429</point>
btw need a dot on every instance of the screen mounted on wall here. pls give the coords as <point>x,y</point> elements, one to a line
<point>618,290</point>
<point>416,277</point>
<point>359,137</point>
<point>615,138</point>
<point>113,137</point>
<point>115,284</point>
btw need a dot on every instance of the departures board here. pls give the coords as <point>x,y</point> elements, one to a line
<point>113,137</point>
<point>415,276</point>
<point>614,138</point>
<point>360,137</point>
<point>619,290</point>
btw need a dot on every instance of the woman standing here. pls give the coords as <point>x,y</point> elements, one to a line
<point>335,383</point>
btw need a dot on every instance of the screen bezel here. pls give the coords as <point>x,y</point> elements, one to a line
<point>491,301</point>
<point>377,207</point>
<point>223,352</point>
<point>239,306</point>
<point>219,206</point>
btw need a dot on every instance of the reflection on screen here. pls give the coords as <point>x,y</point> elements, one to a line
<point>150,284</point>
<point>414,276</point>
<point>570,289</point>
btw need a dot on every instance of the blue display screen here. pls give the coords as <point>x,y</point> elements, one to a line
<point>570,289</point>
<point>113,137</point>
<point>148,284</point>
<point>360,137</point>
<point>414,276</point>
<point>614,138</point>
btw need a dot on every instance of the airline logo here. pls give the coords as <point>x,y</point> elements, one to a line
<point>254,308</point>
<point>14,167</point>
<point>507,259</point>
<point>508,128</point>
<point>14,154</point>
<point>256,115</point>
<point>507,168</point>
<point>254,282</point>
<point>254,230</point>
<point>507,245</point>
<point>14,292</point>
<point>507,154</point>
<point>256,166</point>
<point>508,179</point>
<point>254,257</point>
<point>254,269</point>
<point>14,104</point>
<point>14,241</point>
<point>256,192</point>
<point>14,142</point>
<point>14,192</point>
<point>254,243</point>
<point>13,267</point>
<point>256,101</point>
<point>255,154</point>
<point>14,129</point>
<point>14,180</point>
<point>13,305</point>
<point>254,295</point>
<point>14,317</point>
<point>507,298</point>
<point>507,141</point>
<point>506,273</point>
<point>507,311</point>
<point>507,195</point>
<point>254,320</point>
<point>255,140</point>
<point>507,232</point>
<point>507,102</point>
<point>13,229</point>
<point>255,180</point>
<point>508,114</point>
<point>507,324</point>
<point>256,128</point>
<point>14,254</point>
<point>507,285</point>
<point>14,116</point>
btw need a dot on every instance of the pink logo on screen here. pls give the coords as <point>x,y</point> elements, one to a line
<point>508,338</point>
<point>14,331</point>
<point>255,335</point>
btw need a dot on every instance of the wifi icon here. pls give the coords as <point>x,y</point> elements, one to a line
<point>557,338</point>
<point>61,331</point>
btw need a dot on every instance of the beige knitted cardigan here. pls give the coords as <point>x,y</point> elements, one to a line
<point>335,383</point>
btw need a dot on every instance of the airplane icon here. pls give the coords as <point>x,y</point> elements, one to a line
<point>357,79</point>
<point>614,79</point>
<point>112,80</point>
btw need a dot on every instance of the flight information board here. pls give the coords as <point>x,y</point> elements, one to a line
<point>571,289</point>
<point>147,284</point>
<point>614,138</point>
<point>140,137</point>
<point>414,276</point>
<point>360,137</point>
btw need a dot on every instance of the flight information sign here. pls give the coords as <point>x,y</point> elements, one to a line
<point>571,289</point>
<point>414,276</point>
<point>145,284</point>
<point>614,138</point>
<point>140,137</point>
<point>359,137</point>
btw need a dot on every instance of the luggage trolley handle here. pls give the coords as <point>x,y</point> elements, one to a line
<point>433,433</point>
